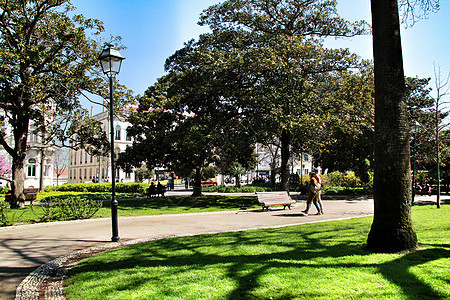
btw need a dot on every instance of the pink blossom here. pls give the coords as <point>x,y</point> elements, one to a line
<point>5,167</point>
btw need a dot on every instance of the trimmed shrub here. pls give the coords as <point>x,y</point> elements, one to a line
<point>137,188</point>
<point>3,216</point>
<point>71,208</point>
<point>105,187</point>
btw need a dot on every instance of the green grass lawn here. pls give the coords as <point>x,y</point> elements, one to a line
<point>311,261</point>
<point>179,205</point>
<point>139,207</point>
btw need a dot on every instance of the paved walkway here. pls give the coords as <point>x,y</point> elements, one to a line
<point>24,248</point>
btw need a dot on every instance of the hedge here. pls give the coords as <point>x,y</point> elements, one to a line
<point>134,187</point>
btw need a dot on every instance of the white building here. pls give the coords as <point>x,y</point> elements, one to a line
<point>84,167</point>
<point>38,165</point>
<point>300,164</point>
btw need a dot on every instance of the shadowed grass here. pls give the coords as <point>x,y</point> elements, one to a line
<point>142,206</point>
<point>312,261</point>
<point>178,205</point>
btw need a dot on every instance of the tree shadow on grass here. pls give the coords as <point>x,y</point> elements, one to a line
<point>239,258</point>
<point>187,203</point>
<point>398,272</point>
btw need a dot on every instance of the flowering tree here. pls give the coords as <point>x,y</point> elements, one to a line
<point>5,168</point>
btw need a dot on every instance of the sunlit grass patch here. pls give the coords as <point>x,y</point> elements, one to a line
<point>311,261</point>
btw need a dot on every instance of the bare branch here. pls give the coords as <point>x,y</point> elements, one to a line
<point>414,10</point>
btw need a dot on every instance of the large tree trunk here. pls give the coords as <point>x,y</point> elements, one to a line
<point>273,173</point>
<point>392,228</point>
<point>197,189</point>
<point>18,154</point>
<point>17,184</point>
<point>285,155</point>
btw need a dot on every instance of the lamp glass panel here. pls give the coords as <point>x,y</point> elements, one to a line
<point>106,66</point>
<point>115,65</point>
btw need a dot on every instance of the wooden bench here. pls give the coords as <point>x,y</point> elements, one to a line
<point>30,195</point>
<point>267,199</point>
<point>155,192</point>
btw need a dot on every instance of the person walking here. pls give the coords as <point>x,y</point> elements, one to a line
<point>313,196</point>
<point>318,189</point>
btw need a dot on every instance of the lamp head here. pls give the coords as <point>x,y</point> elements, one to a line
<point>110,60</point>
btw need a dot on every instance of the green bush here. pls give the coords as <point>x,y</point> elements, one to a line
<point>4,190</point>
<point>138,188</point>
<point>72,208</point>
<point>349,179</point>
<point>3,216</point>
<point>333,179</point>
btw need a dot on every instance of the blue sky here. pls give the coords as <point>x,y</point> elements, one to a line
<point>152,30</point>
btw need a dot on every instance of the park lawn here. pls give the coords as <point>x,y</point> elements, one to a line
<point>312,261</point>
<point>179,205</point>
<point>142,206</point>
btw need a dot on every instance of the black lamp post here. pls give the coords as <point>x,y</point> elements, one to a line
<point>111,60</point>
<point>414,131</point>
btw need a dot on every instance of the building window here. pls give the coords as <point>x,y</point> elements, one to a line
<point>128,136</point>
<point>127,175</point>
<point>85,156</point>
<point>117,131</point>
<point>75,158</point>
<point>81,157</point>
<point>32,170</point>
<point>33,138</point>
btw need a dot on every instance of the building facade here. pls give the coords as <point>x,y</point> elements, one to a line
<point>38,165</point>
<point>269,158</point>
<point>84,167</point>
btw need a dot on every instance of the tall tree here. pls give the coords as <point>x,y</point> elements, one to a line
<point>189,119</point>
<point>47,63</point>
<point>288,36</point>
<point>345,140</point>
<point>442,90</point>
<point>392,228</point>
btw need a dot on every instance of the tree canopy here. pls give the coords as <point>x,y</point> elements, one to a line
<point>48,62</point>
<point>288,60</point>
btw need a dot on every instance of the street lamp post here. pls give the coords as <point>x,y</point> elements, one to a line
<point>111,61</point>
